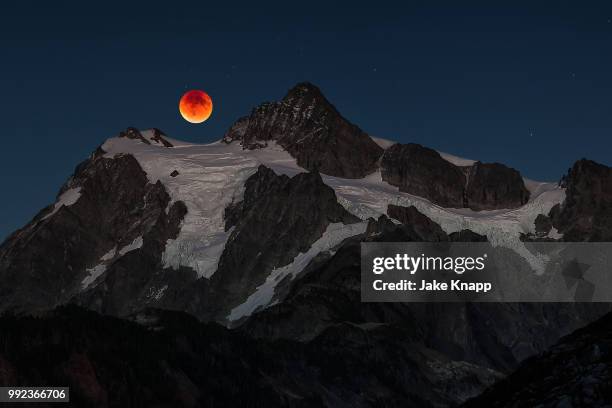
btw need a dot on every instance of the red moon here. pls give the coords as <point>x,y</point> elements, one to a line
<point>195,106</point>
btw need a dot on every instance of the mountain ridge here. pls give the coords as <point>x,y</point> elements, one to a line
<point>251,232</point>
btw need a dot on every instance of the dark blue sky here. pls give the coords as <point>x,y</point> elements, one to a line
<point>527,84</point>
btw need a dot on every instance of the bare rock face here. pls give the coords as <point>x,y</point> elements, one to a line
<point>492,186</point>
<point>466,236</point>
<point>423,172</point>
<point>543,225</point>
<point>45,263</point>
<point>586,214</point>
<point>160,137</point>
<point>278,218</point>
<point>157,137</point>
<point>311,129</point>
<point>422,225</point>
<point>378,226</point>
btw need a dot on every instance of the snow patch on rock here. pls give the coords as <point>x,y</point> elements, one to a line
<point>109,255</point>
<point>98,270</point>
<point>106,259</point>
<point>384,143</point>
<point>94,273</point>
<point>137,243</point>
<point>457,161</point>
<point>67,198</point>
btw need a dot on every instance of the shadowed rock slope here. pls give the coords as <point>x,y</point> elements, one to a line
<point>423,172</point>
<point>45,263</point>
<point>170,359</point>
<point>586,214</point>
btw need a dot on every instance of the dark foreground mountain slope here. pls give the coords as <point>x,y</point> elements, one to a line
<point>172,360</point>
<point>577,372</point>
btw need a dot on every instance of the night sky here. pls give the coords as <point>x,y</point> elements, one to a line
<point>528,85</point>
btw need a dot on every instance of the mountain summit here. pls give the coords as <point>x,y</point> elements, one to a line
<point>312,130</point>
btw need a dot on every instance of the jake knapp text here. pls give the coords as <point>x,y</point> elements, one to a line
<point>455,285</point>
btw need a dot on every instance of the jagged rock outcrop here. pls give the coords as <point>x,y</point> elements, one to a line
<point>492,186</point>
<point>423,172</point>
<point>106,206</point>
<point>427,229</point>
<point>278,218</point>
<point>586,214</point>
<point>422,225</point>
<point>156,136</point>
<point>378,226</point>
<point>576,372</point>
<point>310,128</point>
<point>466,236</point>
<point>543,225</point>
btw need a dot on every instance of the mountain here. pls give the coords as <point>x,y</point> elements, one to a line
<point>260,232</point>
<point>586,214</point>
<point>480,186</point>
<point>309,128</point>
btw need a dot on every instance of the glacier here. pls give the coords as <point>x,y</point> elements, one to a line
<point>212,176</point>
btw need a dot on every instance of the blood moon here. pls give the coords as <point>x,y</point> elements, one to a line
<point>195,106</point>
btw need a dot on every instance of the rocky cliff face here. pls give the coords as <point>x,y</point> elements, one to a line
<point>311,129</point>
<point>423,172</point>
<point>307,126</point>
<point>279,218</point>
<point>492,186</point>
<point>427,229</point>
<point>586,214</point>
<point>113,208</point>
